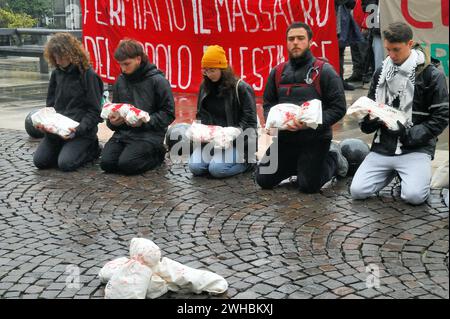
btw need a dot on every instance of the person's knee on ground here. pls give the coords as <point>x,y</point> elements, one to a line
<point>68,164</point>
<point>198,169</point>
<point>265,181</point>
<point>108,164</point>
<point>359,188</point>
<point>415,196</point>
<point>43,162</point>
<point>358,191</point>
<point>224,170</point>
<point>139,166</point>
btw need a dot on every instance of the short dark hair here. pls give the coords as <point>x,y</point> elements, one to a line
<point>300,25</point>
<point>130,49</point>
<point>398,32</point>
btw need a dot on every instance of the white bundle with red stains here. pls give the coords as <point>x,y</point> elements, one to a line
<point>385,113</point>
<point>145,275</point>
<point>281,116</point>
<point>127,111</point>
<point>54,122</point>
<point>221,137</point>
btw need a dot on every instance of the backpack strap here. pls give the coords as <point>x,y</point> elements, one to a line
<point>237,91</point>
<point>279,72</point>
<point>315,75</point>
<point>318,65</point>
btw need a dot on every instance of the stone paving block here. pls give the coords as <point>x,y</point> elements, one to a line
<point>247,295</point>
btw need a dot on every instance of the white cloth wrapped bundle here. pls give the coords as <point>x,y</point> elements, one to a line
<point>110,108</point>
<point>130,281</point>
<point>130,113</point>
<point>184,279</point>
<point>156,288</point>
<point>145,250</point>
<point>144,275</point>
<point>54,122</point>
<point>105,274</point>
<point>388,115</point>
<point>283,115</point>
<point>221,137</point>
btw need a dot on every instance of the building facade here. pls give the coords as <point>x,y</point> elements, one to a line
<point>67,14</point>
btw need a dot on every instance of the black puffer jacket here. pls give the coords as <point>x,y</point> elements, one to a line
<point>430,113</point>
<point>240,111</point>
<point>334,105</point>
<point>148,90</point>
<point>78,96</point>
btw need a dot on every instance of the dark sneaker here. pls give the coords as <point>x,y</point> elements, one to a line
<point>342,163</point>
<point>354,78</point>
<point>348,86</point>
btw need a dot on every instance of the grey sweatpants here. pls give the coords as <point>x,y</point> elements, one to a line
<point>377,171</point>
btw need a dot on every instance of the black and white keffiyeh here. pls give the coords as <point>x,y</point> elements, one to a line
<point>397,81</point>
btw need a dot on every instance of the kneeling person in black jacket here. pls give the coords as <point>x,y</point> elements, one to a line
<point>134,149</point>
<point>409,82</point>
<point>75,91</point>
<point>309,154</point>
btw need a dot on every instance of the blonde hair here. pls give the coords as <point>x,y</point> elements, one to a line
<point>66,45</point>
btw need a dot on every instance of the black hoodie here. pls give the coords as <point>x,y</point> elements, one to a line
<point>77,95</point>
<point>148,90</point>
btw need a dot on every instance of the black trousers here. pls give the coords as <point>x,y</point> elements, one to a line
<point>68,155</point>
<point>131,157</point>
<point>312,162</point>
<point>360,51</point>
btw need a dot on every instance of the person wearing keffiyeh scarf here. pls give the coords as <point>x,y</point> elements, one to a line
<point>411,82</point>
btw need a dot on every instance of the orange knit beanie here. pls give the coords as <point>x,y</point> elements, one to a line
<point>214,58</point>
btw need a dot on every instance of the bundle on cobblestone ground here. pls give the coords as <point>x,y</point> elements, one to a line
<point>57,230</point>
<point>146,275</point>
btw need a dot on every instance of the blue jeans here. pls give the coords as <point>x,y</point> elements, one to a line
<point>220,165</point>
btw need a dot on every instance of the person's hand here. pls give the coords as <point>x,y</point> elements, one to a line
<point>400,133</point>
<point>71,135</point>
<point>374,123</point>
<point>365,32</point>
<point>137,124</point>
<point>296,126</point>
<point>115,119</point>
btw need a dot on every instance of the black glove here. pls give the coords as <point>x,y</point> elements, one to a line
<point>369,126</point>
<point>400,133</point>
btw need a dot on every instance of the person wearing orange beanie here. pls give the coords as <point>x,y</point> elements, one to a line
<point>224,101</point>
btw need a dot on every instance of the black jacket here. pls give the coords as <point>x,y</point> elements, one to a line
<point>148,90</point>
<point>240,111</point>
<point>430,114</point>
<point>334,105</point>
<point>78,96</point>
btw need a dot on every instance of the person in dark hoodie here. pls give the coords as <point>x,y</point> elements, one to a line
<point>409,81</point>
<point>302,151</point>
<point>224,101</point>
<point>75,91</point>
<point>134,149</point>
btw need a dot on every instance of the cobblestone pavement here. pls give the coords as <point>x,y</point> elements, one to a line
<point>267,244</point>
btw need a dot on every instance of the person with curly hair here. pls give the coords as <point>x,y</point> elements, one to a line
<point>75,91</point>
<point>225,101</point>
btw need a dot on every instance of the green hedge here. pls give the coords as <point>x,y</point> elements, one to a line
<point>9,19</point>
